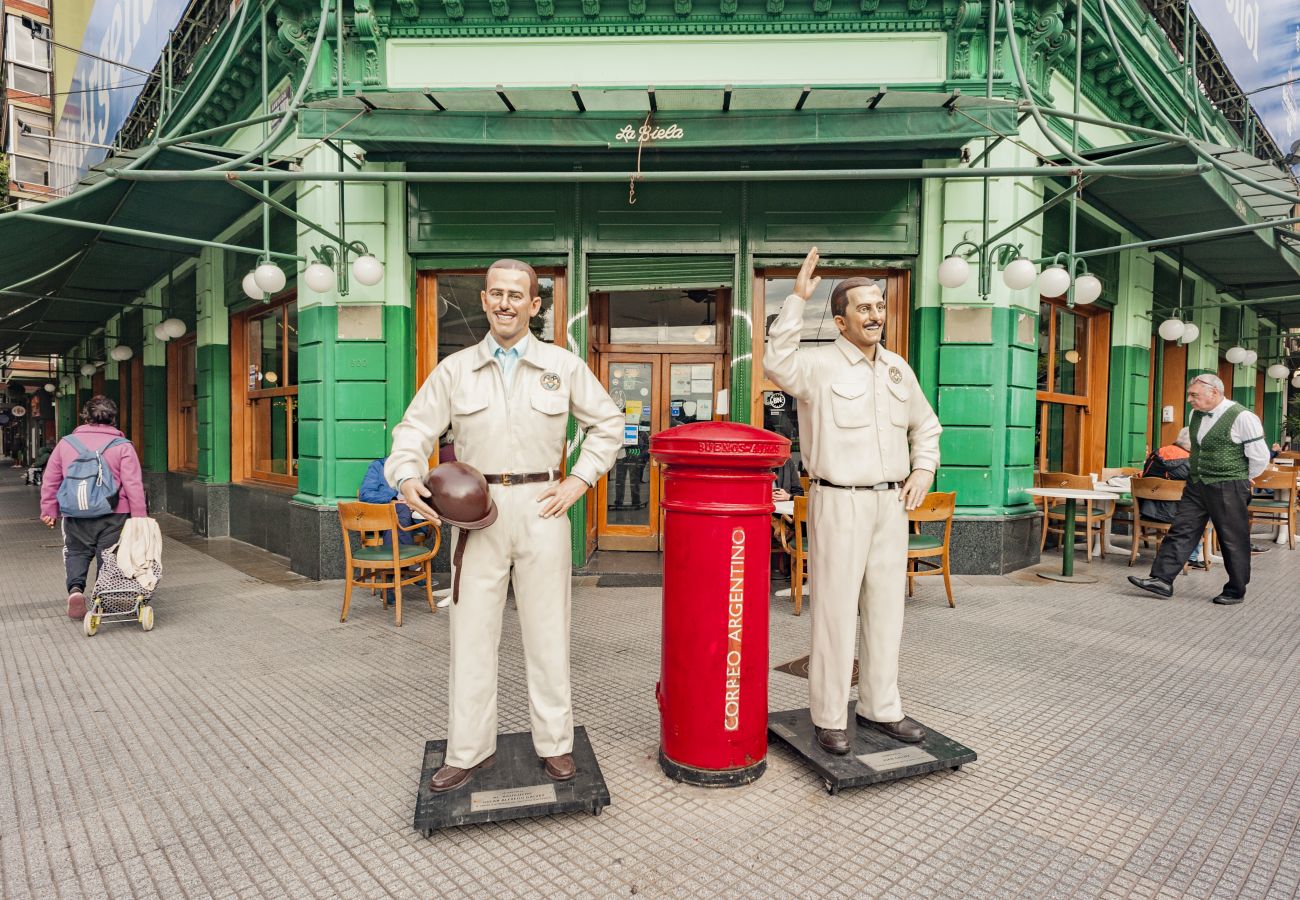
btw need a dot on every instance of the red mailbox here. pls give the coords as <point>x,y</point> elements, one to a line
<point>712,689</point>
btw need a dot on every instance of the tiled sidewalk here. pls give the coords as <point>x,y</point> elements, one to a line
<point>252,746</point>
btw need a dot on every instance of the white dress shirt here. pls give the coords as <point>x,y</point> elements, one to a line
<point>1247,430</point>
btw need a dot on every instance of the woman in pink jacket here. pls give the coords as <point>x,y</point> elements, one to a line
<point>84,538</point>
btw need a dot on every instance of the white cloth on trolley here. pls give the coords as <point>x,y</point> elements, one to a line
<point>139,551</point>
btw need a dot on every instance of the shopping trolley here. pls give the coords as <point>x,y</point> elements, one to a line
<point>117,598</point>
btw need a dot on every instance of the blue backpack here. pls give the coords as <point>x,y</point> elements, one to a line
<point>88,489</point>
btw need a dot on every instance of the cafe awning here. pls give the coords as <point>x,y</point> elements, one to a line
<point>411,126</point>
<point>1252,265</point>
<point>63,276</point>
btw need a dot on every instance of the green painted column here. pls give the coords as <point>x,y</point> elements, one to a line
<point>155,388</point>
<point>576,331</point>
<point>111,330</point>
<point>1130,362</point>
<point>1274,394</point>
<point>212,365</point>
<point>983,371</point>
<point>1243,377</point>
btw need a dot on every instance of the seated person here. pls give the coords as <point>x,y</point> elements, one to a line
<point>374,489</point>
<point>787,484</point>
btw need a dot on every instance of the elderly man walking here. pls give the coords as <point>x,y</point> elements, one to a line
<point>1228,450</point>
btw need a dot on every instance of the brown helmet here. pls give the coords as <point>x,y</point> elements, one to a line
<point>460,496</point>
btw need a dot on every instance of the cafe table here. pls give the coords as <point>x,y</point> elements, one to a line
<point>1070,496</point>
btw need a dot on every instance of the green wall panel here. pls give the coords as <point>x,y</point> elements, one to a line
<point>309,433</point>
<point>1020,405</point>
<point>1024,367</point>
<point>310,398</point>
<point>971,364</point>
<point>359,398</point>
<point>924,350</point>
<point>311,364</point>
<point>155,419</point>
<point>1020,479</point>
<point>1245,396</point>
<point>348,474</point>
<point>1020,447</point>
<point>359,361</point>
<point>966,446</point>
<point>1273,416</point>
<point>399,362</point>
<point>1127,415</point>
<point>965,405</point>
<point>361,440</point>
<point>666,215</point>
<point>863,218</point>
<point>974,486</point>
<point>212,363</point>
<point>479,217</point>
<point>311,480</point>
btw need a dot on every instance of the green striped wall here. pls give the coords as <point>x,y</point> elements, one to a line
<point>1126,411</point>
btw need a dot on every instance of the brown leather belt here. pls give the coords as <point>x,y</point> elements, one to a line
<point>881,486</point>
<point>522,477</point>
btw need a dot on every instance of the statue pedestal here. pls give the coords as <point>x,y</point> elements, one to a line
<point>873,756</point>
<point>516,787</point>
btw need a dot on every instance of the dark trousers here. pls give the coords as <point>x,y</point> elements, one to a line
<point>1224,504</point>
<point>86,539</point>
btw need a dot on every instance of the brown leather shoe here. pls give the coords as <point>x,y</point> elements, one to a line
<point>560,768</point>
<point>833,740</point>
<point>448,778</point>
<point>906,730</point>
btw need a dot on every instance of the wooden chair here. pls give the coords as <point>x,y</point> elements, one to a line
<point>1275,510</point>
<point>806,482</point>
<point>375,566</point>
<point>1123,509</point>
<point>936,507</point>
<point>794,540</point>
<point>1086,513</point>
<point>1289,454</point>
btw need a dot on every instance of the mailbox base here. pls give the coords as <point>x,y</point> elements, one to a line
<point>711,777</point>
<point>873,756</point>
<point>514,788</point>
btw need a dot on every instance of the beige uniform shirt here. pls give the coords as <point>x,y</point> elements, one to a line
<point>517,430</point>
<point>860,423</point>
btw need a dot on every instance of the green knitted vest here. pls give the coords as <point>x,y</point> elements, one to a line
<point>1217,458</point>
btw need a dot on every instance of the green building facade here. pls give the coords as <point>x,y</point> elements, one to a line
<point>665,166</point>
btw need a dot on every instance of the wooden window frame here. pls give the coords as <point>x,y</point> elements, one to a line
<point>426,316</point>
<point>241,398</point>
<point>898,297</point>
<point>177,437</point>
<point>130,400</point>
<point>1091,405</point>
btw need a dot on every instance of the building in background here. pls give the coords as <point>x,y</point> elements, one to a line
<point>28,117</point>
<point>665,165</point>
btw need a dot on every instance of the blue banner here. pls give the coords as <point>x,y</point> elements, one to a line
<point>103,93</point>
<point>1260,43</point>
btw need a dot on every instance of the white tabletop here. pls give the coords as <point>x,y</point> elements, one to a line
<point>1069,493</point>
<point>784,508</point>
<point>1113,488</point>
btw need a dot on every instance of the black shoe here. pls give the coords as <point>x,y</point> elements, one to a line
<point>1153,585</point>
<point>907,730</point>
<point>1198,564</point>
<point>1225,600</point>
<point>1259,548</point>
<point>834,741</point>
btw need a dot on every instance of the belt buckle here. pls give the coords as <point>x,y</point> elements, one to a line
<point>505,478</point>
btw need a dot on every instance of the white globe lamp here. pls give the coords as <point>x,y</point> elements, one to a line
<point>319,277</point>
<point>367,270</point>
<point>160,333</point>
<point>251,290</point>
<point>1054,281</point>
<point>174,328</point>
<point>1295,379</point>
<point>1087,288</point>
<point>953,271</point>
<point>1278,371</point>
<point>1019,274</point>
<point>1235,355</point>
<point>51,387</point>
<point>1172,329</point>
<point>87,369</point>
<point>121,353</point>
<point>270,277</point>
<point>1191,331</point>
<point>1251,358</point>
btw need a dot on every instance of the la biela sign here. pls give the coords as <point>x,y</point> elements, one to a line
<point>646,134</point>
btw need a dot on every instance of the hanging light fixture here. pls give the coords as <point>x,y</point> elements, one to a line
<point>1235,355</point>
<point>953,271</point>
<point>367,270</point>
<point>1054,281</point>
<point>1019,274</point>
<point>174,327</point>
<point>121,353</point>
<point>270,277</point>
<point>319,277</point>
<point>1251,358</point>
<point>1191,331</point>
<point>160,333</point>
<point>1172,329</point>
<point>51,386</point>
<point>1278,371</point>
<point>249,284</point>
<point>1087,288</point>
<point>88,369</point>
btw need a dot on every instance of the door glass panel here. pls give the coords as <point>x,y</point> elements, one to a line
<point>461,322</point>
<point>677,316</point>
<point>627,499</point>
<point>1069,353</point>
<point>690,393</point>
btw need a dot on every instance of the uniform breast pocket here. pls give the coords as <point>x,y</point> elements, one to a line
<point>468,403</point>
<point>900,395</point>
<point>850,404</point>
<point>553,407</point>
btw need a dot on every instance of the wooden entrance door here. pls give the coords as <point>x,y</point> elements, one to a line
<point>655,391</point>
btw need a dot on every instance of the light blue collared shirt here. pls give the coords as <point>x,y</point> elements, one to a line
<point>508,359</point>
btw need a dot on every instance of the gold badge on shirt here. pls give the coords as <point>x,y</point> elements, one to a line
<point>550,381</point>
<point>895,375</point>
